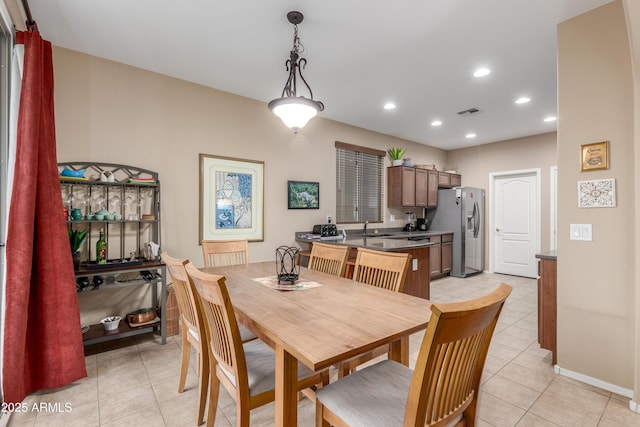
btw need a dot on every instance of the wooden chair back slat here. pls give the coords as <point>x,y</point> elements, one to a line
<point>387,270</point>
<point>331,259</point>
<point>220,253</point>
<point>449,366</point>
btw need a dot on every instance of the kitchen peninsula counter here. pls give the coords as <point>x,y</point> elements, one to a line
<point>414,243</point>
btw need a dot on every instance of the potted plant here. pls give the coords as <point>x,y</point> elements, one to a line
<point>76,240</point>
<point>396,155</point>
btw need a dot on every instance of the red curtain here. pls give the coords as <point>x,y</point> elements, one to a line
<point>42,339</point>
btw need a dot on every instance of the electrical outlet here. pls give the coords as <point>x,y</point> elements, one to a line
<point>392,217</point>
<point>328,219</point>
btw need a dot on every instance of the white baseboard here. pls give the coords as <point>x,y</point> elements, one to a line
<point>598,383</point>
<point>635,407</point>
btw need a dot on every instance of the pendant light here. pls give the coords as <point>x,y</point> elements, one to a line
<point>295,111</point>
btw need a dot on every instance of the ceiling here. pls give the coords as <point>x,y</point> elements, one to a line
<point>419,54</point>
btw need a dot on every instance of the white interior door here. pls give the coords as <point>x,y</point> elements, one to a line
<point>516,223</point>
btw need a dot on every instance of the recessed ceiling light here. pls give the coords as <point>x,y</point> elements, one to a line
<point>389,106</point>
<point>550,119</point>
<point>471,135</point>
<point>436,123</point>
<point>481,72</point>
<point>523,100</point>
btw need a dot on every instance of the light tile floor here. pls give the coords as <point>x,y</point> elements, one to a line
<point>134,381</point>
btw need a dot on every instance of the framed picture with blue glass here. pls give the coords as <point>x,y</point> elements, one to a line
<point>231,198</point>
<point>303,195</point>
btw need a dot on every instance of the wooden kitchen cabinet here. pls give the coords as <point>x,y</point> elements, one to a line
<point>435,256</point>
<point>547,304</point>
<point>422,187</point>
<point>440,255</point>
<point>449,180</point>
<point>447,245</point>
<point>444,180</point>
<point>401,186</point>
<point>432,189</point>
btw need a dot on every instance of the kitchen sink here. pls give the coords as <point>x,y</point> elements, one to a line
<point>375,235</point>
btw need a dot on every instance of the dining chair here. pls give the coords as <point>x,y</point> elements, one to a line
<point>443,388</point>
<point>193,329</point>
<point>328,258</point>
<point>219,253</point>
<point>386,270</point>
<point>246,370</point>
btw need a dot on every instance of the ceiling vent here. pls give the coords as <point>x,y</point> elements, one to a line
<point>469,112</point>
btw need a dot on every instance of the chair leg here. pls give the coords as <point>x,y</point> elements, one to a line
<point>214,389</point>
<point>320,421</point>
<point>184,366</point>
<point>242,413</point>
<point>203,380</point>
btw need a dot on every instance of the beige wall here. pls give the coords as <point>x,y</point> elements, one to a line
<point>109,112</point>
<point>532,152</point>
<point>596,310</point>
<point>632,12</point>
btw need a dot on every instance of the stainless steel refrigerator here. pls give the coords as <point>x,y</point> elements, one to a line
<point>461,210</point>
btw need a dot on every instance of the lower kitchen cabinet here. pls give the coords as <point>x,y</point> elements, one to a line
<point>547,303</point>
<point>447,245</point>
<point>440,255</point>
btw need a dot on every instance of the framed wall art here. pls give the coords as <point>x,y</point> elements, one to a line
<point>594,156</point>
<point>231,198</point>
<point>597,193</point>
<point>303,195</point>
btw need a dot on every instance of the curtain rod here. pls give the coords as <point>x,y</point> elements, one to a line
<point>31,24</point>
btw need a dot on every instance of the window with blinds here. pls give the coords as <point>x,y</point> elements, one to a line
<point>359,184</point>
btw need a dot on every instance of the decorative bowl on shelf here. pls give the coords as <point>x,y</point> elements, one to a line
<point>117,217</point>
<point>109,217</point>
<point>99,217</point>
<point>143,315</point>
<point>89,217</point>
<point>111,323</point>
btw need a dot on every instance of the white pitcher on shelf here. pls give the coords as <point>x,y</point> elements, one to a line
<point>107,176</point>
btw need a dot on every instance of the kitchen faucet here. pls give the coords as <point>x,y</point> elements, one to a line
<point>365,228</point>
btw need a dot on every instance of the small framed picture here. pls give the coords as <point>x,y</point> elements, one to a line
<point>597,193</point>
<point>303,195</point>
<point>594,156</point>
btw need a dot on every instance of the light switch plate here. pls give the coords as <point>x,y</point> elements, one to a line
<point>581,232</point>
<point>415,264</point>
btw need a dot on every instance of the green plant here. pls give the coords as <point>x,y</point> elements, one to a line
<point>396,153</point>
<point>76,239</point>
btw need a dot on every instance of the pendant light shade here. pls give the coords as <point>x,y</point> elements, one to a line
<point>295,111</point>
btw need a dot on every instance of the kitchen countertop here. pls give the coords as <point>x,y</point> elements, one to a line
<point>550,255</point>
<point>392,241</point>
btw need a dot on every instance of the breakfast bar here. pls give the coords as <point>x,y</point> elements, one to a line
<point>416,244</point>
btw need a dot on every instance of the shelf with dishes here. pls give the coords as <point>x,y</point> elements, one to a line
<point>113,216</point>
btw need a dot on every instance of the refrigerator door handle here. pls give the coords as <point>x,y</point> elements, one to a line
<point>476,220</point>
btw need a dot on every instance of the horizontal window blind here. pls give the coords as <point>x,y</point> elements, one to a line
<point>359,184</point>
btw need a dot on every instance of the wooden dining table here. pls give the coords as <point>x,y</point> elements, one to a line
<point>329,321</point>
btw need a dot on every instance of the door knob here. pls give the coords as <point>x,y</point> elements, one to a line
<point>498,229</point>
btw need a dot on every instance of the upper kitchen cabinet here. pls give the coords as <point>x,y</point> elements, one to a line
<point>411,187</point>
<point>422,187</point>
<point>401,186</point>
<point>449,180</point>
<point>432,189</point>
